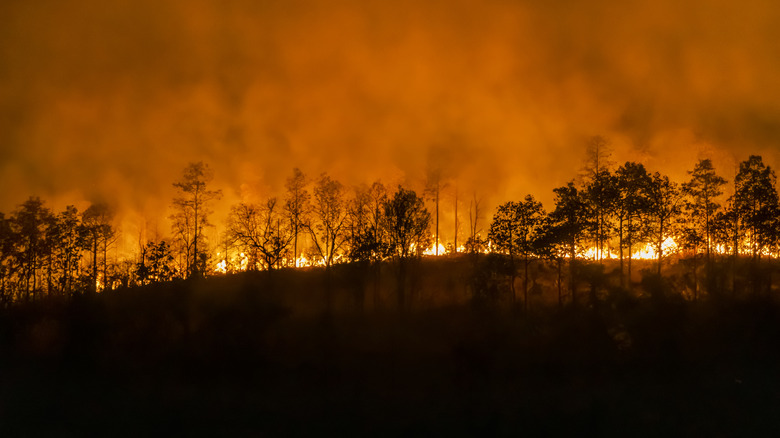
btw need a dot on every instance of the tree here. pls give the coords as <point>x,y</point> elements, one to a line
<point>7,243</point>
<point>297,206</point>
<point>474,243</point>
<point>702,191</point>
<point>551,245</point>
<point>633,187</point>
<point>192,209</point>
<point>755,203</point>
<point>600,190</point>
<point>364,222</point>
<point>156,263</point>
<point>261,233</point>
<point>29,225</point>
<point>97,232</point>
<point>515,228</point>
<point>569,225</point>
<point>433,188</point>
<point>329,215</point>
<point>665,202</point>
<point>70,241</point>
<point>407,225</point>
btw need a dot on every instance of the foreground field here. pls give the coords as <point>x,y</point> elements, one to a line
<point>249,355</point>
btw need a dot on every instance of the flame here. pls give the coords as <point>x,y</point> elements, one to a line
<point>646,252</point>
<point>432,250</point>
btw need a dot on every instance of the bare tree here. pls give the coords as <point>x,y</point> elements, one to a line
<point>261,231</point>
<point>329,219</point>
<point>297,206</point>
<point>192,209</point>
<point>433,188</point>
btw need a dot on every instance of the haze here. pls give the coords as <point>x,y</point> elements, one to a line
<point>110,100</point>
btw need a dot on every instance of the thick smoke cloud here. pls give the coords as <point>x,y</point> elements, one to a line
<point>110,100</point>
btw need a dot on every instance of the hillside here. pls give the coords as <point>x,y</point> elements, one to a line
<point>266,354</point>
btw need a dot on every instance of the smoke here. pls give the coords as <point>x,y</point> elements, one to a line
<point>110,100</point>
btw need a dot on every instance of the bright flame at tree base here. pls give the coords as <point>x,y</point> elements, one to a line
<point>648,251</point>
<point>645,252</point>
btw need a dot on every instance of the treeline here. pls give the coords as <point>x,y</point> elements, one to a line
<point>610,211</point>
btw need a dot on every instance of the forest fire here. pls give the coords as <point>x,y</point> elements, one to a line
<point>283,218</point>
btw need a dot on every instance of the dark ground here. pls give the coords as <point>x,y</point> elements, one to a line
<point>226,357</point>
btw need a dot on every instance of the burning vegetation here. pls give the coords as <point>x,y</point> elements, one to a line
<point>610,214</point>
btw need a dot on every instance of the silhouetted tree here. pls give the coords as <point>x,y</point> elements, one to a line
<point>407,225</point>
<point>29,225</point>
<point>475,243</point>
<point>297,206</point>
<point>192,209</point>
<point>261,232</point>
<point>69,238</point>
<point>665,204</point>
<point>156,263</point>
<point>755,202</point>
<point>366,235</point>
<point>97,231</point>
<point>600,190</point>
<point>433,188</point>
<point>515,228</point>
<point>329,218</point>
<point>569,224</point>
<point>7,242</point>
<point>633,205</point>
<point>702,191</point>
<point>551,245</point>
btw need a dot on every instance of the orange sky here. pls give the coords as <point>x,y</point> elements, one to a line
<point>110,100</point>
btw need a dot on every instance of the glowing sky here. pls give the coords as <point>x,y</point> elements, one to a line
<point>110,100</point>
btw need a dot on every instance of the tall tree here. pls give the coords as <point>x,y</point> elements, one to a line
<point>702,192</point>
<point>570,223</point>
<point>407,225</point>
<point>550,245</point>
<point>192,209</point>
<point>29,224</point>
<point>329,214</point>
<point>98,230</point>
<point>364,218</point>
<point>7,243</point>
<point>70,242</point>
<point>665,203</point>
<point>475,244</point>
<point>433,188</point>
<point>600,190</point>
<point>755,203</point>
<point>633,205</point>
<point>297,206</point>
<point>515,228</point>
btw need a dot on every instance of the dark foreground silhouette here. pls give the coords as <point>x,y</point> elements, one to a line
<point>233,357</point>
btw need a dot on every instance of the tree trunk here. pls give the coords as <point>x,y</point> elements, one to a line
<point>401,285</point>
<point>94,262</point>
<point>559,261</point>
<point>437,219</point>
<point>620,244</point>
<point>695,277</point>
<point>525,285</point>
<point>572,283</point>
<point>512,268</point>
